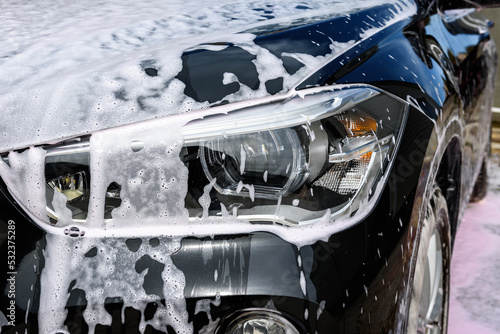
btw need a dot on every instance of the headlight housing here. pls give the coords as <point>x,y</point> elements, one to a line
<point>291,162</point>
<point>321,152</point>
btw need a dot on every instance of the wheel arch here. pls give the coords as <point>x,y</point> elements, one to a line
<point>442,166</point>
<point>448,178</point>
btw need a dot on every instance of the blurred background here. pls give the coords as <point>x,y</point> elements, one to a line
<point>475,264</point>
<point>494,15</point>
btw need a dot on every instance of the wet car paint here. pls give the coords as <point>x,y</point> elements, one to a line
<point>117,90</point>
<point>355,281</point>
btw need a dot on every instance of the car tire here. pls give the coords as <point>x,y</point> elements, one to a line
<point>430,285</point>
<point>481,186</point>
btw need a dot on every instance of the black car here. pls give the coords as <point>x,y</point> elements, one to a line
<point>260,166</point>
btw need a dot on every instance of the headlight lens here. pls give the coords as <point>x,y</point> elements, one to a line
<point>291,162</point>
<point>67,172</point>
<point>276,157</point>
<point>260,321</point>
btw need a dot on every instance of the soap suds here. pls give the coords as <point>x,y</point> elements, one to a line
<point>114,271</point>
<point>82,67</point>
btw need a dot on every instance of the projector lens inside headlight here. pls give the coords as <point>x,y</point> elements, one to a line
<point>273,161</point>
<point>73,186</point>
<point>67,172</point>
<point>261,322</point>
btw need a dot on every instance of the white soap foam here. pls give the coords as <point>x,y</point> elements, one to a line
<point>72,68</point>
<point>112,272</point>
<point>153,180</point>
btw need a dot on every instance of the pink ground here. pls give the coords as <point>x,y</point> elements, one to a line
<point>475,266</point>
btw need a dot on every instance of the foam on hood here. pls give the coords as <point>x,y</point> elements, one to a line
<point>69,68</point>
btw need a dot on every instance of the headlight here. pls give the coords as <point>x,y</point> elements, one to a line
<point>259,321</point>
<point>67,175</point>
<point>321,152</point>
<point>291,162</point>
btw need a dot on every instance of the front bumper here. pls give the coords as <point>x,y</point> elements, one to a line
<point>150,284</point>
<point>353,281</point>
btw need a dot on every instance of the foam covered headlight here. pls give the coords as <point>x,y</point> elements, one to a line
<point>289,162</point>
<point>67,172</point>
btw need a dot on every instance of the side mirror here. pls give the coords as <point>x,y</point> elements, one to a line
<point>460,4</point>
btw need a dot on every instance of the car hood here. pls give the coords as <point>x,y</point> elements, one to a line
<point>67,69</point>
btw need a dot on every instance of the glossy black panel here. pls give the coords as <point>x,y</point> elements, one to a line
<point>208,85</point>
<point>20,279</point>
<point>354,281</point>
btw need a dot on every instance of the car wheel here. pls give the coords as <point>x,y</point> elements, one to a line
<point>430,288</point>
<point>481,186</point>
